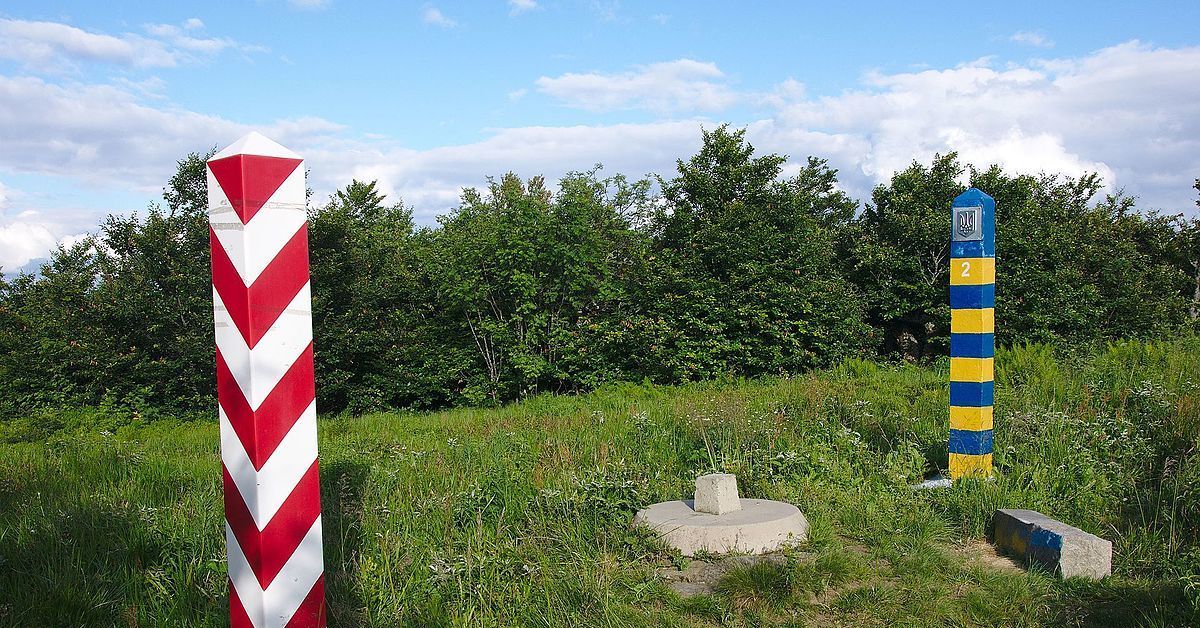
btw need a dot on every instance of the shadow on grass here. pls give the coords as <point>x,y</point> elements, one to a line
<point>98,566</point>
<point>1123,603</point>
<point>937,457</point>
<point>342,519</point>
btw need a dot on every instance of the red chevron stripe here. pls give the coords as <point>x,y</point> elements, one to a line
<point>267,551</point>
<point>249,181</point>
<point>312,610</point>
<point>238,618</point>
<point>256,307</point>
<point>261,431</point>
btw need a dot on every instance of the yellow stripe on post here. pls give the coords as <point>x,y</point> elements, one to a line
<point>971,369</point>
<point>972,271</point>
<point>975,419</point>
<point>973,321</point>
<point>966,465</point>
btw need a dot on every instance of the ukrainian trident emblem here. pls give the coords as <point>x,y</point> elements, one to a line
<point>967,223</point>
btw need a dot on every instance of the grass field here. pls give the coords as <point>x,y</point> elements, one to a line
<point>520,515</point>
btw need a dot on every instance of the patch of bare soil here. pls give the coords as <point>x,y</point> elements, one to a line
<point>701,576</point>
<point>986,554</point>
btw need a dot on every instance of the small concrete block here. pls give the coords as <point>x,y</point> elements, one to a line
<point>1052,544</point>
<point>717,494</point>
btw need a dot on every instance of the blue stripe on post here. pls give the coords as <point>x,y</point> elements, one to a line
<point>972,345</point>
<point>972,297</point>
<point>971,394</point>
<point>972,248</point>
<point>969,442</point>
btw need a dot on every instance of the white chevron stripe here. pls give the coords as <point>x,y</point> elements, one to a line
<point>264,491</point>
<point>268,230</point>
<point>258,370</point>
<point>273,607</point>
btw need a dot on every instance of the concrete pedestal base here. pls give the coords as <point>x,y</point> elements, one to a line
<point>760,526</point>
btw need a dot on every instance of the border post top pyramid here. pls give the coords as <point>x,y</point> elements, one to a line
<point>255,143</point>
<point>250,171</point>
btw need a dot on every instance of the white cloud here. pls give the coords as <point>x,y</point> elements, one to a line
<point>521,6</point>
<point>434,16</point>
<point>309,4</point>
<point>152,87</point>
<point>50,45</point>
<point>21,242</point>
<point>432,180</point>
<point>103,134</point>
<point>27,236</point>
<point>56,47</point>
<point>683,85</point>
<point>1030,38</point>
<point>1122,111</point>
<point>177,37</point>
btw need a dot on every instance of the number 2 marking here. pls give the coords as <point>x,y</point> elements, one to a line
<point>966,266</point>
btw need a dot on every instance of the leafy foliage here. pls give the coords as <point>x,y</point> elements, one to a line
<point>123,317</point>
<point>524,275</point>
<point>901,255</point>
<point>376,329</point>
<point>1069,268</point>
<point>742,277</point>
<point>731,269</point>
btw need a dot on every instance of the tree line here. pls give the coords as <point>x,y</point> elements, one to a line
<point>729,268</point>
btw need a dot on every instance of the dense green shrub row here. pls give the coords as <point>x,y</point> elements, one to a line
<point>730,268</point>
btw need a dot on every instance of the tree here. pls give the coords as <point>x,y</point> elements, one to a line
<point>48,335</point>
<point>1071,268</point>
<point>742,277</point>
<point>901,255</point>
<point>732,270</point>
<point>154,298</point>
<point>186,191</point>
<point>1187,257</point>
<point>522,270</point>
<point>123,317</point>
<point>377,329</point>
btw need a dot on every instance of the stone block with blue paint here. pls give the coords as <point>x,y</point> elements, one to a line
<point>1053,545</point>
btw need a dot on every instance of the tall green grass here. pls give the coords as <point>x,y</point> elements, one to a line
<point>520,515</point>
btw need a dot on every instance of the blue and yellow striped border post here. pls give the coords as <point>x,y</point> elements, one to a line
<point>972,329</point>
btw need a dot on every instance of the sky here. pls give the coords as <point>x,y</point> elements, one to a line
<point>99,100</point>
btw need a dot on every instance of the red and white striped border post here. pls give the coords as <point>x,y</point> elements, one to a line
<point>262,308</point>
